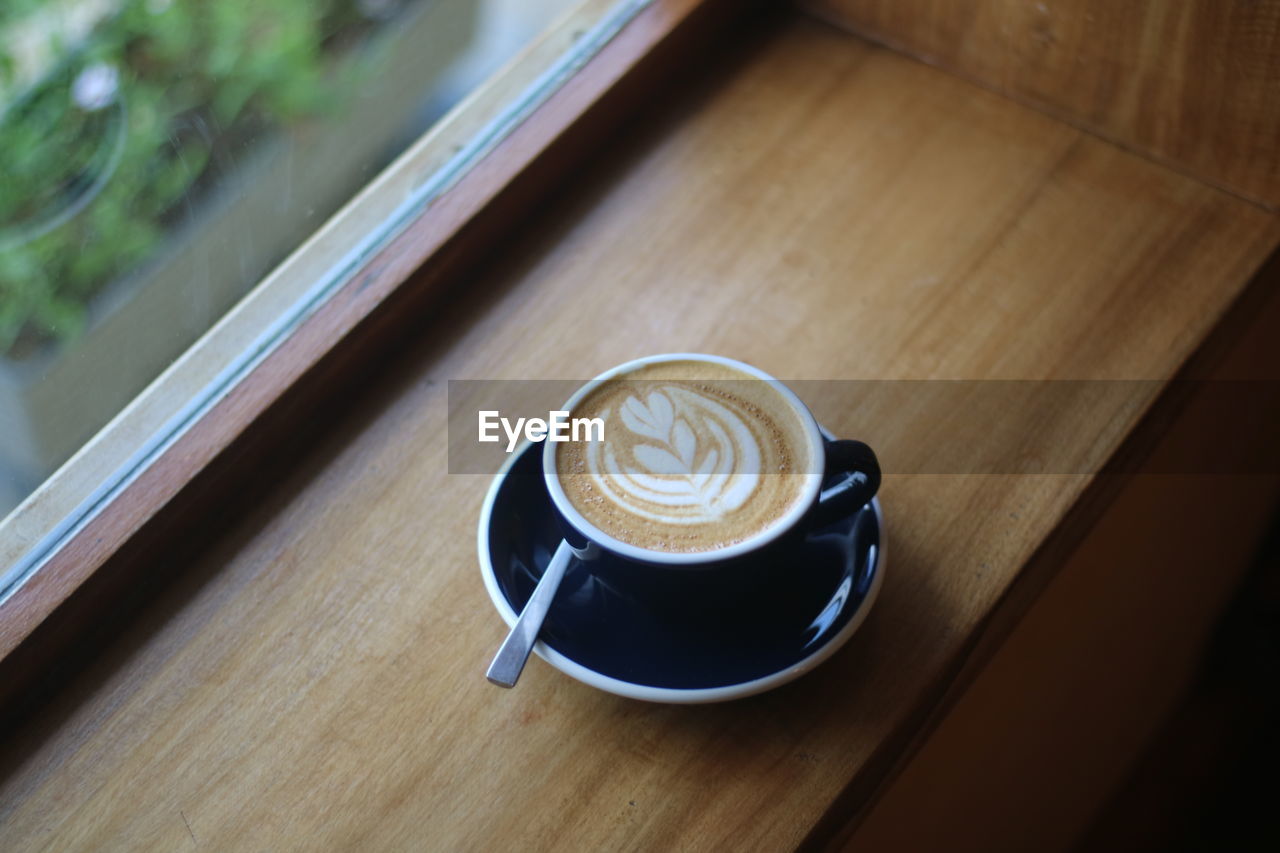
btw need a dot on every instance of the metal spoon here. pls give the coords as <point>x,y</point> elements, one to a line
<point>509,661</point>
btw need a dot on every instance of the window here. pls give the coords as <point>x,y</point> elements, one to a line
<point>160,157</point>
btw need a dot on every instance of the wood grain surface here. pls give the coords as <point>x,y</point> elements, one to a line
<point>1194,83</point>
<point>820,208</point>
<point>1043,737</point>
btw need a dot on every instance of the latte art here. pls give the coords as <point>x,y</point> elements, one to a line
<point>696,456</point>
<point>693,460</point>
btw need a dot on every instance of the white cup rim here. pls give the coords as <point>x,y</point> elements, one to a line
<point>780,526</point>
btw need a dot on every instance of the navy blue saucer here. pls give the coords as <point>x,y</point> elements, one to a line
<point>678,638</point>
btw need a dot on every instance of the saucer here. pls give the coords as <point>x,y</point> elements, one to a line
<point>701,644</point>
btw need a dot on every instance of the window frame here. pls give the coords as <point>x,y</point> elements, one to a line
<point>93,560</point>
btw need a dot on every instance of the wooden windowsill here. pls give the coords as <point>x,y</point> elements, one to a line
<point>103,498</point>
<point>817,206</point>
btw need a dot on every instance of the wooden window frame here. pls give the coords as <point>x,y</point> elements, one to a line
<point>89,568</point>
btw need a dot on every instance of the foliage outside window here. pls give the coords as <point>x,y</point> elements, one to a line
<point>109,148</point>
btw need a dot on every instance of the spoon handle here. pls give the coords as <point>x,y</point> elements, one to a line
<point>509,661</point>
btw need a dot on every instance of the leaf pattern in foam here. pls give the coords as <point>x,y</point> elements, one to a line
<point>659,461</point>
<point>675,471</point>
<point>651,418</point>
<point>705,470</point>
<point>685,444</point>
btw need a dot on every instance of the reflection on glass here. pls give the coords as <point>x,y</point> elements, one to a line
<point>158,157</point>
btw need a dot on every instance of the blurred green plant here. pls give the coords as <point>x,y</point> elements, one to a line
<point>102,154</point>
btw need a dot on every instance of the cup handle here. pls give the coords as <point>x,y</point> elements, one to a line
<point>854,491</point>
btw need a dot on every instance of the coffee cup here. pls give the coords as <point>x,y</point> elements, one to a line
<point>701,462</point>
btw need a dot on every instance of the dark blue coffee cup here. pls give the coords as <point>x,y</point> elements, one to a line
<point>838,477</point>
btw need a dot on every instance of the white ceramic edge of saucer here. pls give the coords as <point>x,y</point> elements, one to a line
<point>669,695</point>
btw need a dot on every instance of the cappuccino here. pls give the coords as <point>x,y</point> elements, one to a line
<point>696,456</point>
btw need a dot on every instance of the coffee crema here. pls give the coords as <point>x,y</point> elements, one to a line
<point>696,456</point>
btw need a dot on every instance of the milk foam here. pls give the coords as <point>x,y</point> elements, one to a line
<point>695,456</point>
<point>692,460</point>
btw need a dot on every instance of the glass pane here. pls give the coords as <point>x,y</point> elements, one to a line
<point>158,157</point>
